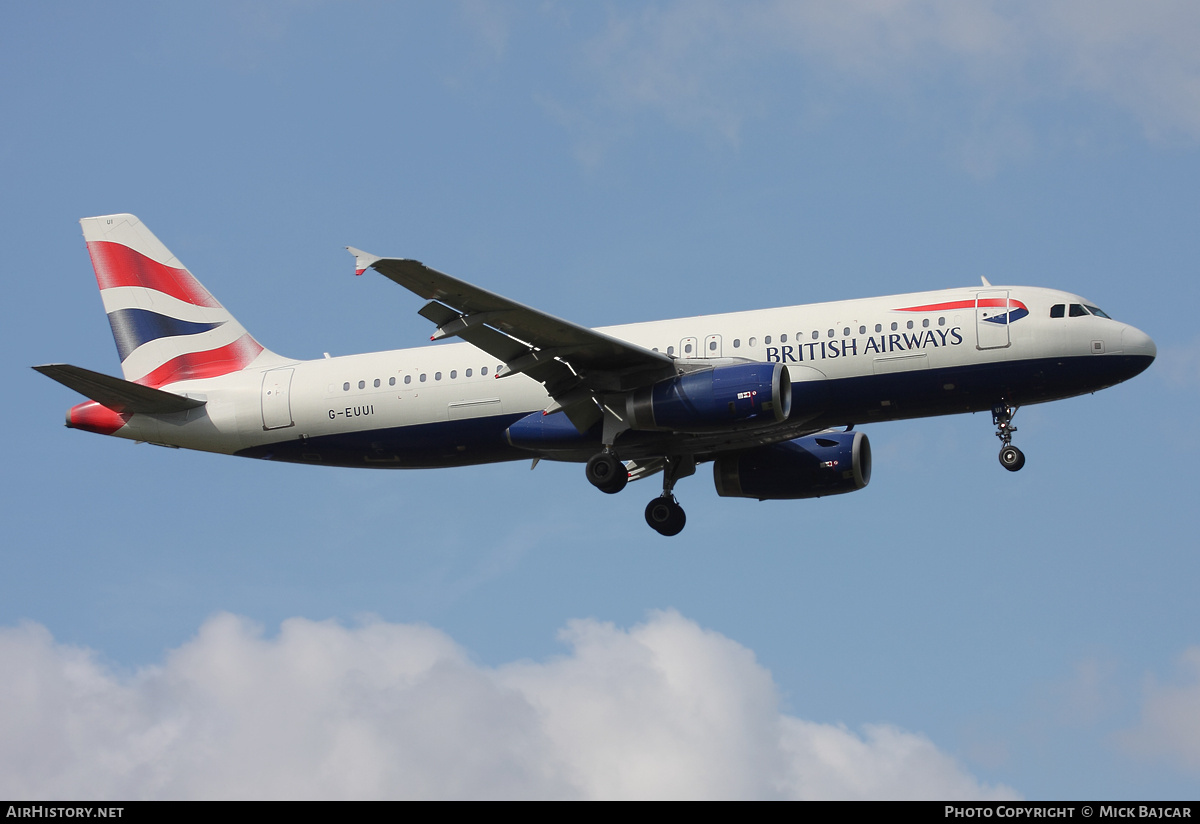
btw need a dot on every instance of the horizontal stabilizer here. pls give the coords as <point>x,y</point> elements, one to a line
<point>118,395</point>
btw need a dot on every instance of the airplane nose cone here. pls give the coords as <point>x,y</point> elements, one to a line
<point>1137,343</point>
<point>1138,352</point>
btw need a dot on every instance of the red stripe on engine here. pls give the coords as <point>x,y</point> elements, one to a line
<point>118,265</point>
<point>94,417</point>
<point>211,364</point>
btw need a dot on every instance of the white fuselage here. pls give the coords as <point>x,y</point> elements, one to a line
<point>850,361</point>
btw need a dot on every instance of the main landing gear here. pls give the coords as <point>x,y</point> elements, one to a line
<point>664,514</point>
<point>606,473</point>
<point>1011,458</point>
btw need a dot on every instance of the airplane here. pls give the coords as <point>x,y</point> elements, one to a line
<point>771,397</point>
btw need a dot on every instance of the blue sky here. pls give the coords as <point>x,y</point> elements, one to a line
<point>185,625</point>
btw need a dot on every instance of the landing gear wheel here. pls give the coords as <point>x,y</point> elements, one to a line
<point>606,473</point>
<point>1012,458</point>
<point>665,516</point>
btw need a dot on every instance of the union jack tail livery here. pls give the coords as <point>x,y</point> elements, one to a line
<point>167,327</point>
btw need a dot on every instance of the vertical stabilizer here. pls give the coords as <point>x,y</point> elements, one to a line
<point>167,326</point>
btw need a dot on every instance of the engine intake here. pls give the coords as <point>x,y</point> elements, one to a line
<point>830,463</point>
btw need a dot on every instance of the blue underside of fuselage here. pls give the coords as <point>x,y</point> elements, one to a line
<point>859,400</point>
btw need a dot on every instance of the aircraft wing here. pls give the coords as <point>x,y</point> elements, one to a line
<point>573,362</point>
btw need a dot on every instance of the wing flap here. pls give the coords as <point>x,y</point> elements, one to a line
<point>117,394</point>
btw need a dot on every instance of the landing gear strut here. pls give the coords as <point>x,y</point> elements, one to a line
<point>1011,458</point>
<point>606,473</point>
<point>664,514</point>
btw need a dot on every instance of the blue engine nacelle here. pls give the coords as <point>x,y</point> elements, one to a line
<point>552,433</point>
<point>811,467</point>
<point>713,399</point>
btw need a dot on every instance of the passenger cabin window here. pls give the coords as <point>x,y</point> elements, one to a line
<point>377,383</point>
<point>408,378</point>
<point>737,343</point>
<point>1058,310</point>
<point>391,381</point>
<point>346,386</point>
<point>362,384</point>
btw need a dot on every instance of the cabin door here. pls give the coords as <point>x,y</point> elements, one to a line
<point>276,399</point>
<point>991,319</point>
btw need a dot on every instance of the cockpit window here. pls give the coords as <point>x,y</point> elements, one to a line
<point>1097,312</point>
<point>1058,310</point>
<point>1077,311</point>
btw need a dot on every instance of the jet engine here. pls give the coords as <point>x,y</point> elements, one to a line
<point>829,463</point>
<point>711,399</point>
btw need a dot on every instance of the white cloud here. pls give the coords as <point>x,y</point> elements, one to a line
<point>975,73</point>
<point>380,710</point>
<point>1169,728</point>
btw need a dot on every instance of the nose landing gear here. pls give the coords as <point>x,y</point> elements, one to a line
<point>1011,458</point>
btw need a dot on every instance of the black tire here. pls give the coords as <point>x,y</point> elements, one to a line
<point>606,473</point>
<point>665,516</point>
<point>1012,458</point>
